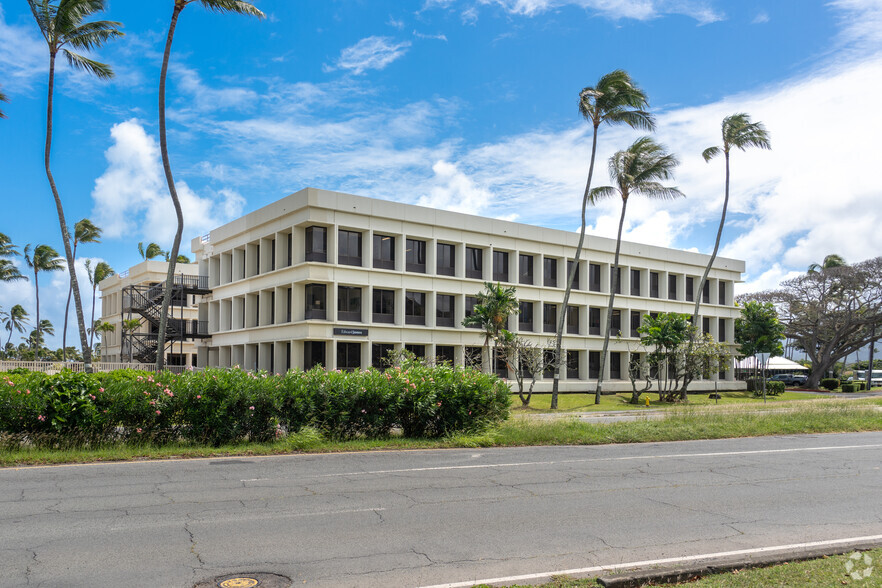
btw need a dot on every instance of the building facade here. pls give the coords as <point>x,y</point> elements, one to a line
<point>338,280</point>
<point>136,295</point>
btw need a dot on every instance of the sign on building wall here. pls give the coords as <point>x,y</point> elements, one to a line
<point>351,332</point>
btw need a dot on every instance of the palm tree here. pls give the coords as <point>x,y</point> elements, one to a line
<point>495,304</point>
<point>16,320</point>
<point>101,272</point>
<point>3,98</point>
<point>615,99</point>
<point>36,337</point>
<point>153,250</point>
<point>43,259</point>
<point>222,6</point>
<point>738,132</point>
<point>62,26</point>
<point>8,271</point>
<point>830,261</point>
<point>634,171</point>
<point>84,232</point>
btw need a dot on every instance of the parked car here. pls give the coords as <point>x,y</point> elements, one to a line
<point>789,379</point>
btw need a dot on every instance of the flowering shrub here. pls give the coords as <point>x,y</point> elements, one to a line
<point>220,406</point>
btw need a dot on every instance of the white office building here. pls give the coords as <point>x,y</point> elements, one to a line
<point>338,280</point>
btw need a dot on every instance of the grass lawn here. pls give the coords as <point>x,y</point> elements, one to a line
<point>680,423</point>
<point>822,572</point>
<point>585,402</point>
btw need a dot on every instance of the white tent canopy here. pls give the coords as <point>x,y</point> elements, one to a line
<point>774,364</point>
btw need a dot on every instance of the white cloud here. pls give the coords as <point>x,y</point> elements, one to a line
<point>24,56</point>
<point>617,9</point>
<point>762,17</point>
<point>453,190</point>
<point>131,196</point>
<point>436,37</point>
<point>202,97</point>
<point>371,53</point>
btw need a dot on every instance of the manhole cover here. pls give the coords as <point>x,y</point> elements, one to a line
<point>247,580</point>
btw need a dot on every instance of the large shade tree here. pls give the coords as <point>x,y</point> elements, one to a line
<point>614,100</point>
<point>636,171</point>
<point>42,258</point>
<point>830,314</point>
<point>85,231</point>
<point>64,26</point>
<point>221,6</point>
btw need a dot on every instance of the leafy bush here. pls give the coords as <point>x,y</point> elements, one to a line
<point>773,388</point>
<point>218,406</point>
<point>851,387</point>
<point>829,383</point>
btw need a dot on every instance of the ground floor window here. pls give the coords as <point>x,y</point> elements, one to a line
<point>313,354</point>
<point>615,366</point>
<point>419,351</point>
<point>380,358</point>
<point>348,356</point>
<point>593,365</point>
<point>473,357</point>
<point>445,354</point>
<point>573,365</point>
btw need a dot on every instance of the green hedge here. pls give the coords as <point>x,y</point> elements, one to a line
<point>221,406</point>
<point>829,383</point>
<point>773,388</point>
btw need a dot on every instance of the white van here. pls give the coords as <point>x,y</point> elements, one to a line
<point>861,376</point>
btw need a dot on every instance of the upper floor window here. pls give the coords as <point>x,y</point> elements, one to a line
<point>672,287</point>
<point>446,262</point>
<point>570,265</point>
<point>594,277</point>
<point>525,316</point>
<point>474,263</point>
<point>348,303</point>
<point>549,318</point>
<point>705,325</point>
<point>635,323</point>
<point>316,244</point>
<point>705,292</point>
<point>549,272</point>
<point>415,308</point>
<point>722,292</point>
<point>349,248</point>
<point>444,306</point>
<point>593,321</point>
<point>500,266</point>
<point>635,282</point>
<point>690,289</point>
<point>573,320</point>
<point>315,295</point>
<point>616,325</point>
<point>384,306</point>
<point>415,255</point>
<point>615,276</point>
<point>721,330</point>
<point>470,303</point>
<point>384,252</point>
<point>525,269</point>
<point>653,285</point>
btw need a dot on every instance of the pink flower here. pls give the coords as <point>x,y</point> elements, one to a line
<point>41,418</point>
<point>363,411</point>
<point>138,430</point>
<point>158,412</point>
<point>439,404</point>
<point>198,397</point>
<point>92,396</point>
<point>250,408</point>
<point>101,389</point>
<point>27,391</point>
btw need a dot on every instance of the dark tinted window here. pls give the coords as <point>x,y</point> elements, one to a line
<point>635,282</point>
<point>316,244</point>
<point>384,306</point>
<point>470,302</point>
<point>444,306</point>
<point>349,248</point>
<point>313,354</point>
<point>722,292</point>
<point>549,272</point>
<point>593,364</point>
<point>705,292</point>
<point>315,301</point>
<point>615,366</point>
<point>721,330</point>
<point>593,321</point>
<point>380,355</point>
<point>415,308</point>
<point>525,269</point>
<point>616,325</point>
<point>348,356</point>
<point>384,252</point>
<point>573,320</point>
<point>594,277</point>
<point>500,266</point>
<point>474,263</point>
<point>446,262</point>
<point>445,354</point>
<point>525,316</point>
<point>418,351</point>
<point>653,284</point>
<point>672,287</point>
<point>690,289</point>
<point>576,284</point>
<point>573,365</point>
<point>635,323</point>
<point>415,255</point>
<point>348,303</point>
<point>615,277</point>
<point>549,318</point>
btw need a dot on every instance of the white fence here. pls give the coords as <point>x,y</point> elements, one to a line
<point>53,367</point>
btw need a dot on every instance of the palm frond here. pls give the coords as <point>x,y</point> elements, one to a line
<point>740,132</point>
<point>43,16</point>
<point>3,98</point>
<point>601,193</point>
<point>710,153</point>
<point>93,35</point>
<point>656,191</point>
<point>100,70</point>
<point>237,6</point>
<point>85,231</point>
<point>636,119</point>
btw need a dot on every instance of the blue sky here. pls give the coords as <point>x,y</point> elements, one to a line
<point>469,105</point>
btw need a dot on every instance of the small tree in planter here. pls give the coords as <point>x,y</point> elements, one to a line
<point>523,358</point>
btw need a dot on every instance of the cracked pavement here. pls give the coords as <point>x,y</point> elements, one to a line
<point>412,518</point>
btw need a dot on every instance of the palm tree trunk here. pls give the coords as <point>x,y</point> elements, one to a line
<point>558,360</point>
<point>612,299</point>
<point>710,263</point>
<point>65,235</point>
<point>67,311</point>
<point>36,344</point>
<point>166,166</point>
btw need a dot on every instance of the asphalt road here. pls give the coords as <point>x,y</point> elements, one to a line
<point>421,518</point>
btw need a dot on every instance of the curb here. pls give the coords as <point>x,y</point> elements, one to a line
<point>698,569</point>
